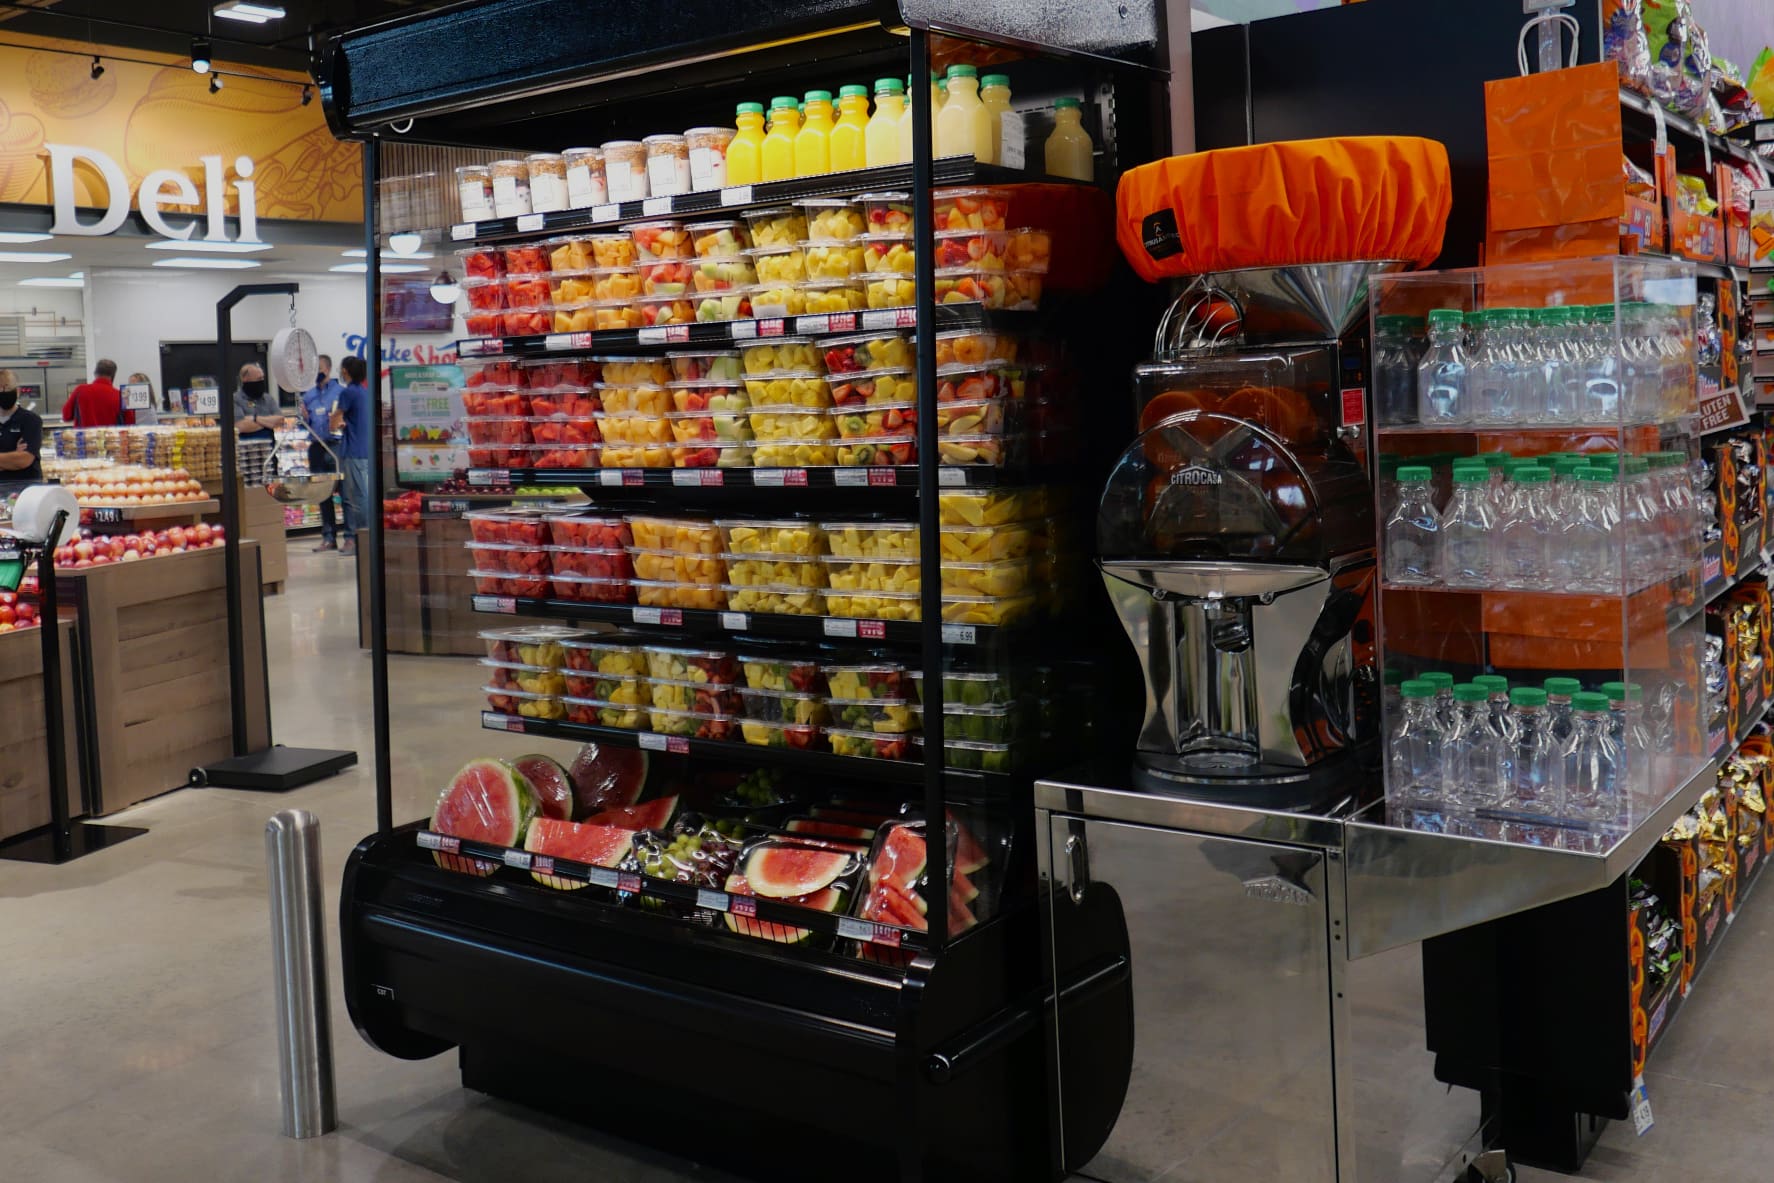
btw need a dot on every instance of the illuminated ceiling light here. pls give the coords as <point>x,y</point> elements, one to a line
<point>444,289</point>
<point>252,14</point>
<point>16,236</point>
<point>215,83</point>
<point>206,247</point>
<point>387,268</point>
<point>52,281</point>
<point>208,264</point>
<point>200,55</point>
<point>360,253</point>
<point>33,256</point>
<point>406,242</point>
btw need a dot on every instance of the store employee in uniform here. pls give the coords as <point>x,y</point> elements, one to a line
<point>21,436</point>
<point>256,418</point>
<point>318,404</point>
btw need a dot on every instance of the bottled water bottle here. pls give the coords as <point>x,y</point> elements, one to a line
<point>1443,682</point>
<point>1413,752</point>
<point>1560,367</point>
<point>1528,394</point>
<point>1564,485</point>
<point>1413,530</point>
<point>1680,514</point>
<point>1441,375</point>
<point>1641,520</point>
<point>1466,532</point>
<point>1494,377</point>
<point>1601,366</point>
<point>1626,721</point>
<point>1558,706</point>
<point>1472,755</point>
<point>1527,533</point>
<point>1534,765</point>
<point>1497,686</point>
<point>1592,762</point>
<point>1589,553</point>
<point>1634,363</point>
<point>1395,372</point>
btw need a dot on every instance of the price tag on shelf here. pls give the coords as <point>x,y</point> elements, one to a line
<point>555,342</point>
<point>615,478</point>
<point>503,604</point>
<point>736,622</point>
<point>628,882</point>
<point>820,323</point>
<point>872,630</point>
<point>743,330</point>
<point>542,864</point>
<point>959,634</point>
<point>106,515</point>
<point>950,476</point>
<point>698,478</point>
<point>654,207</point>
<point>138,396</point>
<point>606,213</point>
<point>518,858</point>
<point>494,721</point>
<point>483,477</point>
<point>430,841</point>
<point>770,326</point>
<point>850,478</point>
<point>481,347</point>
<point>648,616</point>
<point>652,741</point>
<point>777,478</point>
<point>529,223</point>
<point>652,335</point>
<point>1641,1107</point>
<point>715,900</point>
<point>841,322</point>
<point>461,231</point>
<point>864,930</point>
<point>890,318</point>
<point>600,876</point>
<point>206,402</point>
<point>742,905</point>
<point>736,195</point>
<point>838,626</point>
<point>677,334</point>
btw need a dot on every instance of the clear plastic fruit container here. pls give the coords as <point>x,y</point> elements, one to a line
<point>971,285</point>
<point>635,456</point>
<point>719,306</point>
<point>998,724</point>
<point>1003,578</point>
<point>712,698</point>
<point>714,366</point>
<point>888,254</point>
<point>591,530</point>
<point>970,688</point>
<point>631,716</point>
<point>787,421</point>
<point>856,683</point>
<point>977,609</point>
<point>635,371</point>
<point>628,398</point>
<point>516,558</point>
<point>970,417</point>
<point>666,310</point>
<point>668,277</point>
<point>687,664</point>
<point>820,296</point>
<point>1025,290</point>
<point>718,237</point>
<point>664,239</point>
<point>527,290</point>
<point>675,566</point>
<point>832,218</point>
<point>776,601</point>
<point>712,455</point>
<point>536,644</point>
<point>991,450</point>
<point>590,562</point>
<point>766,733</point>
<point>986,507</point>
<point>769,671</point>
<point>614,656</point>
<point>968,756</point>
<point>971,382</point>
<point>480,262</point>
<point>691,536</point>
<point>984,249</point>
<point>516,526</point>
<point>578,317</point>
<point>526,258</point>
<point>794,454</point>
<point>572,287</point>
<point>807,389</point>
<point>860,421</point>
<point>494,582</point>
<point>633,427</point>
<point>613,249</point>
<point>779,265</point>
<point>889,210</point>
<point>784,706</point>
<point>872,605</point>
<point>524,705</point>
<point>489,399</point>
<point>722,273</point>
<point>776,225</point>
<point>894,715</point>
<point>497,456</point>
<point>1030,249</point>
<point>553,450</point>
<point>778,299</point>
<point>565,402</point>
<point>835,259</point>
<point>483,324</point>
<point>780,355</point>
<point>888,289</point>
<point>870,539</point>
<point>751,570</point>
<point>789,537</point>
<point>607,315</point>
<point>706,597</point>
<point>872,575</point>
<point>873,745</point>
<point>585,589</point>
<point>879,451</point>
<point>966,207</point>
<point>570,252</point>
<point>616,689</point>
<point>709,427</point>
<point>985,544</point>
<point>858,353</point>
<point>528,321</point>
<point>484,295</point>
<point>516,675</point>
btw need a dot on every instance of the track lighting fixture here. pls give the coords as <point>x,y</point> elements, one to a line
<point>200,59</point>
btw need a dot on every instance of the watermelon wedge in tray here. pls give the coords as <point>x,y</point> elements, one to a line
<point>896,889</point>
<point>583,842</point>
<point>789,872</point>
<point>648,815</point>
<point>486,801</point>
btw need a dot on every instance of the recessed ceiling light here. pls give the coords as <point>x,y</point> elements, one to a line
<point>22,236</point>
<point>204,247</point>
<point>387,268</point>
<point>52,281</point>
<point>444,289</point>
<point>252,14</point>
<point>33,256</point>
<point>360,253</point>
<point>208,264</point>
<point>406,242</point>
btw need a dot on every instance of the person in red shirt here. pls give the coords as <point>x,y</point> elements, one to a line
<point>97,403</point>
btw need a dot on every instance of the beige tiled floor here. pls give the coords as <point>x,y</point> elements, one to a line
<point>135,1017</point>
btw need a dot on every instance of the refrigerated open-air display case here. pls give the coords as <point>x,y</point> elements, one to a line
<point>751,796</point>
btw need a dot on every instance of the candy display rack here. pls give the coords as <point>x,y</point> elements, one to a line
<point>931,1026</point>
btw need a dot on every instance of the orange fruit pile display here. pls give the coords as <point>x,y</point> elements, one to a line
<point>134,485</point>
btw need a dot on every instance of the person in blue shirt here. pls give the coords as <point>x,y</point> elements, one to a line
<point>351,419</point>
<point>317,415</point>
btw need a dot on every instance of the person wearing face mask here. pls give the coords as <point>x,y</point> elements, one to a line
<point>256,418</point>
<point>318,404</point>
<point>351,419</point>
<point>21,435</point>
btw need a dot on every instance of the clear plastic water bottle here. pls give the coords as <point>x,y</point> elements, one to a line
<point>1534,764</point>
<point>1560,367</point>
<point>1413,530</point>
<point>1524,342</point>
<point>1391,703</point>
<point>1626,720</point>
<point>1472,755</point>
<point>1413,751</point>
<point>1564,484</point>
<point>1494,376</point>
<point>1527,533</point>
<point>1443,682</point>
<point>1592,762</point>
<point>1680,514</point>
<point>1558,705</point>
<point>1641,518</point>
<point>1395,372</point>
<point>1497,686</point>
<point>1601,366</point>
<point>1589,552</point>
<point>1441,375</point>
<point>1467,531</point>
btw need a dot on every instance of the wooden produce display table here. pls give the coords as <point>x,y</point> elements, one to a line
<point>153,670</point>
<point>403,572</point>
<point>261,519</point>
<point>24,757</point>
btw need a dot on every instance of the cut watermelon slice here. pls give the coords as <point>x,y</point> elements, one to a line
<point>961,917</point>
<point>970,856</point>
<point>487,801</point>
<point>961,887</point>
<point>829,900</point>
<point>605,776</point>
<point>900,856</point>
<point>888,905</point>
<point>649,815</point>
<point>831,829</point>
<point>583,842</point>
<point>848,845</point>
<point>554,790</point>
<point>784,870</point>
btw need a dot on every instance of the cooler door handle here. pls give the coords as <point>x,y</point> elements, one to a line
<point>1077,866</point>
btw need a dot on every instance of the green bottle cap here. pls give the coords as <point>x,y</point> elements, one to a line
<point>751,108</point>
<point>853,92</point>
<point>1495,683</point>
<point>1561,686</point>
<point>962,70</point>
<point>889,86</point>
<point>1394,676</point>
<point>1439,318</point>
<point>1414,472</point>
<point>1470,692</point>
<point>1471,474</point>
<point>1527,696</point>
<point>1065,102</point>
<point>1589,700</point>
<point>1606,461</point>
<point>784,100</point>
<point>1623,691</point>
<point>1440,679</point>
<point>1569,465</point>
<point>1494,459</point>
<point>818,96</point>
<point>1532,474</point>
<point>1595,476</point>
<point>1417,688</point>
<point>996,80</point>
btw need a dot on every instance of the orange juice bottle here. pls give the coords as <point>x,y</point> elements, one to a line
<point>745,154</point>
<point>994,96</point>
<point>813,143</point>
<point>881,141</point>
<point>779,142</point>
<point>1070,152</point>
<point>849,132</point>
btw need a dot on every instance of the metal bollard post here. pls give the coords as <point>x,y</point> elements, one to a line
<point>298,956</point>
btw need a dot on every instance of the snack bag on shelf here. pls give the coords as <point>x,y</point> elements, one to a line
<point>1624,41</point>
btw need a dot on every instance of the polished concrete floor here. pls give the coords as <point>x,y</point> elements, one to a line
<point>136,1039</point>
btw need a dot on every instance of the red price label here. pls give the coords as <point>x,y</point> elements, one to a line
<point>671,616</point>
<point>771,327</point>
<point>879,477</point>
<point>741,905</point>
<point>841,322</point>
<point>542,864</point>
<point>677,333</point>
<point>872,630</point>
<point>677,744</point>
<point>1354,406</point>
<point>628,883</point>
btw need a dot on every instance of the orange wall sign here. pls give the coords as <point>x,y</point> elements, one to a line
<point>148,118</point>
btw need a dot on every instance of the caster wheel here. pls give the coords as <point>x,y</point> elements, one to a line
<point>198,778</point>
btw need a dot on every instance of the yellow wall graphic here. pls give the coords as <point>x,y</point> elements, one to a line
<point>148,117</point>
